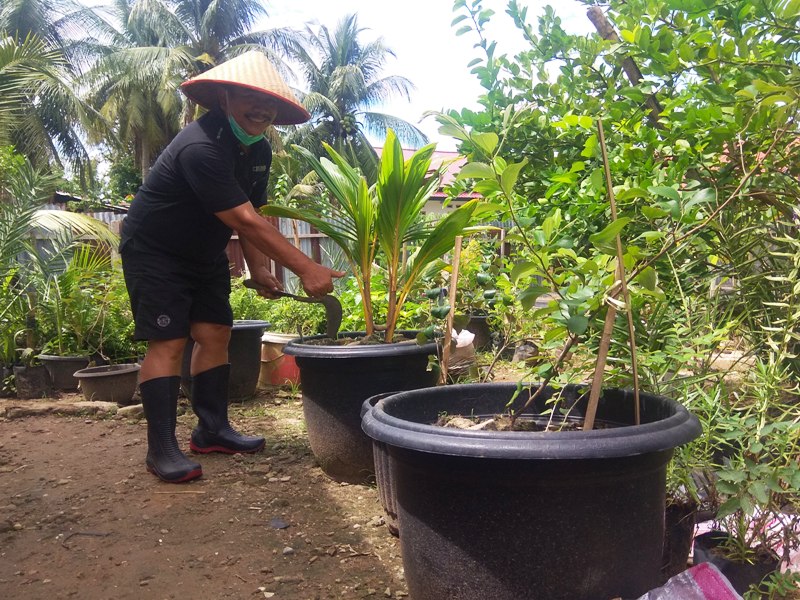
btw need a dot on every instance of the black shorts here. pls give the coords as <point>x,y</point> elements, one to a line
<point>167,294</point>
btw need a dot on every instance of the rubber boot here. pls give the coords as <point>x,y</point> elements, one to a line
<point>164,457</point>
<point>210,402</point>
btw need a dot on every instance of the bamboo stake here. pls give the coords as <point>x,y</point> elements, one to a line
<point>448,333</point>
<point>296,234</point>
<point>605,340</point>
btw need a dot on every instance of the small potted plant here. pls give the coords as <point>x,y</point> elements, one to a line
<point>379,227</point>
<point>71,311</point>
<point>754,483</point>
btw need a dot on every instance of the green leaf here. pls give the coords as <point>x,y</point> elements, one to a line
<point>590,147</point>
<point>610,233</point>
<point>653,212</point>
<point>476,170</point>
<point>529,295</point>
<point>730,506</point>
<point>597,180</point>
<point>551,225</point>
<point>759,492</point>
<point>790,10</point>
<point>734,476</point>
<point>629,193</point>
<point>453,131</point>
<point>577,324</point>
<point>486,141</point>
<point>508,178</point>
<point>704,196</point>
<point>648,278</point>
<point>633,93</point>
<point>523,269</point>
<point>666,192</point>
<point>487,187</point>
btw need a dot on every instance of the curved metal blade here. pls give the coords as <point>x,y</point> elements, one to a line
<point>333,308</point>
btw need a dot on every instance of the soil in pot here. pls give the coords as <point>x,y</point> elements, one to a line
<point>708,548</point>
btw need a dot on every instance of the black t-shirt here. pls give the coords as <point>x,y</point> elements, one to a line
<point>202,171</point>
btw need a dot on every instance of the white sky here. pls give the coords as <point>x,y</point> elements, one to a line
<point>428,51</point>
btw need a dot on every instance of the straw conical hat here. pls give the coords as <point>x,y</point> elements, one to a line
<point>249,70</point>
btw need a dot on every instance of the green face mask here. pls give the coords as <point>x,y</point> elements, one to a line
<point>241,135</point>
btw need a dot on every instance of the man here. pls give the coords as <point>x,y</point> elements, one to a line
<point>206,183</point>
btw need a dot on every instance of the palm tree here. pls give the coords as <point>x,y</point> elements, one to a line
<point>39,55</point>
<point>159,44</point>
<point>344,80</point>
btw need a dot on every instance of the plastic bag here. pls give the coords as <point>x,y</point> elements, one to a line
<point>701,582</point>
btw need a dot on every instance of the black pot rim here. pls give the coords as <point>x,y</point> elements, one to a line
<point>666,434</point>
<point>296,347</point>
<point>105,370</point>
<point>63,357</point>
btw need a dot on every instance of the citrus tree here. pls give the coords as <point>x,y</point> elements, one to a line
<point>700,104</point>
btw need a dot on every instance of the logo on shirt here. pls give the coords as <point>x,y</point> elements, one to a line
<point>163,320</point>
<point>259,168</point>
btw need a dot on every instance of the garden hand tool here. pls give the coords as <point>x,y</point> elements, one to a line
<point>333,308</point>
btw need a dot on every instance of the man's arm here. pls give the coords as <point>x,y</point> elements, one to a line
<point>257,232</point>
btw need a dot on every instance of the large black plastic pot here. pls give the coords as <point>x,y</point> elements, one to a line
<point>244,354</point>
<point>335,381</point>
<point>383,471</point>
<point>569,515</point>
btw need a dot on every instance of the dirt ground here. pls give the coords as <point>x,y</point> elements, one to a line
<point>81,518</point>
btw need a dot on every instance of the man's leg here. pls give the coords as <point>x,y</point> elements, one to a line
<point>210,376</point>
<point>159,384</point>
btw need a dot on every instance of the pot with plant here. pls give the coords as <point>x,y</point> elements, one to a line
<point>71,305</point>
<point>36,245</point>
<point>379,227</point>
<point>551,489</point>
<point>755,482</point>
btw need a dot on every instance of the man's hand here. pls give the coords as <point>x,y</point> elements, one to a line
<point>267,282</point>
<point>317,279</point>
